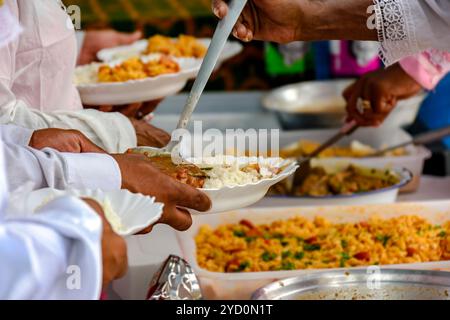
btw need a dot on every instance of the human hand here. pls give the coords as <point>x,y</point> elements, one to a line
<point>148,135</point>
<point>63,140</point>
<point>96,40</point>
<point>139,110</point>
<point>285,21</point>
<point>270,20</point>
<point>372,98</point>
<point>140,176</point>
<point>114,249</point>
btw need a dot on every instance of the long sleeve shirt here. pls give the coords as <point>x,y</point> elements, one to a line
<point>54,169</point>
<point>409,27</point>
<point>54,253</point>
<point>36,79</point>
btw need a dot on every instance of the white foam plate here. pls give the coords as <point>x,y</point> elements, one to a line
<point>237,197</point>
<point>117,93</point>
<point>232,48</point>
<point>136,211</point>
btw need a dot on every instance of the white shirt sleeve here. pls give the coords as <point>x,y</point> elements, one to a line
<point>50,168</point>
<point>408,27</point>
<point>16,134</point>
<point>111,131</point>
<point>53,254</point>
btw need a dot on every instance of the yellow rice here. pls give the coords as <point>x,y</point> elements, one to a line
<point>299,243</point>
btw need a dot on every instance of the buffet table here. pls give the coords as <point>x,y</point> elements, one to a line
<point>238,110</point>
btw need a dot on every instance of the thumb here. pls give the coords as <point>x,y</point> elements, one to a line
<point>87,146</point>
<point>129,38</point>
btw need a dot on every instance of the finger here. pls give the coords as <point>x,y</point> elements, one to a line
<point>129,110</point>
<point>241,31</point>
<point>148,107</point>
<point>105,108</point>
<point>90,147</point>
<point>220,8</point>
<point>121,246</point>
<point>191,198</point>
<point>87,146</point>
<point>177,218</point>
<point>129,38</point>
<point>145,231</point>
<point>352,110</point>
<point>347,94</point>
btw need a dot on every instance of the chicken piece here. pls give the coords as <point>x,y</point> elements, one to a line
<point>185,173</point>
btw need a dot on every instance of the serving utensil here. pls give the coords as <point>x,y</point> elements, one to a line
<point>420,139</point>
<point>305,162</point>
<point>223,31</point>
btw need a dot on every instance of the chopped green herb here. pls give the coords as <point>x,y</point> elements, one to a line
<point>344,243</point>
<point>267,256</point>
<point>299,255</point>
<point>442,234</point>
<point>278,236</point>
<point>345,255</point>
<point>267,236</point>
<point>250,239</point>
<point>311,247</point>
<point>244,265</point>
<point>239,233</point>
<point>383,239</point>
<point>286,254</point>
<point>287,265</point>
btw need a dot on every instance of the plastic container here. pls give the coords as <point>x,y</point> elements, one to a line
<point>381,196</point>
<point>217,285</point>
<point>376,138</point>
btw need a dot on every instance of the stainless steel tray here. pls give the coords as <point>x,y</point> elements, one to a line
<point>319,104</point>
<point>362,284</point>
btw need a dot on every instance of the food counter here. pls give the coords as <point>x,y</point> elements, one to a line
<point>145,258</point>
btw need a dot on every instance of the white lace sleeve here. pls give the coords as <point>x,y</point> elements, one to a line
<point>407,27</point>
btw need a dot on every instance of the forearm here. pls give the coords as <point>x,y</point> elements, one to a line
<point>335,20</point>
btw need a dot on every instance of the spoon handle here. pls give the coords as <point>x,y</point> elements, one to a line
<point>223,31</point>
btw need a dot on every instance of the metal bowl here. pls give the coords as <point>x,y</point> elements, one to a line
<point>373,283</point>
<point>319,104</point>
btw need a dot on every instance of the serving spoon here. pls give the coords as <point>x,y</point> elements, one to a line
<point>420,139</point>
<point>305,162</point>
<point>218,41</point>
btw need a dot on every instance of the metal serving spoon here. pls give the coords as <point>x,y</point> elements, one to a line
<point>218,42</point>
<point>420,139</point>
<point>305,162</point>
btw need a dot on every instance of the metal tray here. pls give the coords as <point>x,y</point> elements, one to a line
<point>319,104</point>
<point>364,284</point>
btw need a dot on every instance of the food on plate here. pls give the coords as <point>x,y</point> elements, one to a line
<point>351,180</point>
<point>182,47</point>
<point>213,172</point>
<point>299,243</point>
<point>186,173</point>
<point>355,150</point>
<point>129,69</point>
<point>135,68</point>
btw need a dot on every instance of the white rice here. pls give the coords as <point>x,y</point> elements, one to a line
<point>226,173</point>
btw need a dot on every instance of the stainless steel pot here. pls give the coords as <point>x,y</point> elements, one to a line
<point>319,104</point>
<point>363,284</point>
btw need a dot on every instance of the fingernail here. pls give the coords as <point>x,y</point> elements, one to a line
<point>216,12</point>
